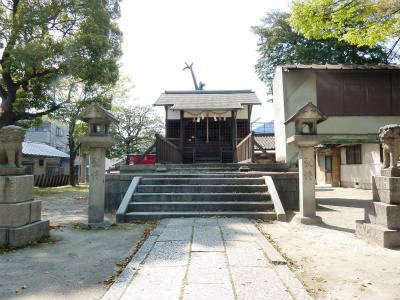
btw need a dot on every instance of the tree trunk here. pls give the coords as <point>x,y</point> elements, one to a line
<point>72,177</point>
<point>8,97</point>
<point>72,153</point>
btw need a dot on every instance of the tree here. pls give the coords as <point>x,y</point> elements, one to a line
<point>279,44</point>
<point>42,41</point>
<point>359,22</point>
<point>136,131</point>
<point>76,97</point>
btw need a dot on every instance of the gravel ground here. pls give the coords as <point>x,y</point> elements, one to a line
<point>75,263</point>
<point>330,260</point>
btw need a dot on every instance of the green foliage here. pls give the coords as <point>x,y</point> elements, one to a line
<point>136,131</point>
<point>358,22</point>
<point>46,40</point>
<point>279,44</point>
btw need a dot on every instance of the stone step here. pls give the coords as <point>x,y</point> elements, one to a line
<point>269,166</point>
<point>164,197</point>
<point>204,167</point>
<point>132,216</point>
<point>202,181</point>
<point>204,175</point>
<point>202,188</point>
<point>199,206</point>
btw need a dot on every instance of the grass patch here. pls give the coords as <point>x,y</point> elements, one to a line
<point>50,191</point>
<point>44,240</point>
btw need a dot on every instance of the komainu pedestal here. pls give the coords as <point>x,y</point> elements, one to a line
<point>381,224</point>
<point>20,214</point>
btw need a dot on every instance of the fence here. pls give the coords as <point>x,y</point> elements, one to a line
<point>51,180</point>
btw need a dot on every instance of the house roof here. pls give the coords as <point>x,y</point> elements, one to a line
<point>342,67</point>
<point>39,149</point>
<point>207,100</point>
<point>267,142</point>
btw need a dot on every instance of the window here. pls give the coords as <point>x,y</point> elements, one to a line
<point>173,129</point>
<point>353,155</point>
<point>41,162</point>
<point>97,128</point>
<point>58,131</point>
<point>243,129</point>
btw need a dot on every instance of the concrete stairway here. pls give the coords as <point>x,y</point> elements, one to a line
<point>205,193</point>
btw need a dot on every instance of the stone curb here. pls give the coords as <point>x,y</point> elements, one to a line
<point>124,279</point>
<point>289,279</point>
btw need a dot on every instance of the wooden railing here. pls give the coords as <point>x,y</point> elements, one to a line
<point>244,152</point>
<point>166,151</point>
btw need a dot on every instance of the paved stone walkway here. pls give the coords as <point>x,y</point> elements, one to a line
<point>199,258</point>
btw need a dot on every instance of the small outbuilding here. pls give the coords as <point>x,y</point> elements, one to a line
<point>206,126</point>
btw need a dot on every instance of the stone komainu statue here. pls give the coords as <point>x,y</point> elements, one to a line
<point>11,138</point>
<point>389,136</point>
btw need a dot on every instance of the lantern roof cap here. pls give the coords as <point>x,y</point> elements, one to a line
<point>96,111</point>
<point>308,112</point>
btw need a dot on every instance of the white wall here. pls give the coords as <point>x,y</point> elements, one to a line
<point>243,113</point>
<point>279,116</point>
<point>173,114</point>
<point>176,114</point>
<point>361,173</point>
<point>221,114</point>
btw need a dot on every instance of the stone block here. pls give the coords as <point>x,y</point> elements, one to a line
<point>3,237</point>
<point>6,171</point>
<point>14,189</point>
<point>27,234</point>
<point>383,214</point>
<point>19,214</point>
<point>378,234</point>
<point>390,172</point>
<point>386,189</point>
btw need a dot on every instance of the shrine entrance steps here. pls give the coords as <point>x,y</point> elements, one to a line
<point>200,191</point>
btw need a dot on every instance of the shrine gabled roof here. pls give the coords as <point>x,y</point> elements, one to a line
<point>207,100</point>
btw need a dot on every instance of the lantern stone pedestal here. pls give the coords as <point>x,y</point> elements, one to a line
<point>97,148</point>
<point>308,204</point>
<point>97,141</point>
<point>381,224</point>
<point>20,214</point>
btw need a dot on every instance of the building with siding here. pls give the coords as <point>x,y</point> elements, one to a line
<point>50,132</point>
<point>358,100</point>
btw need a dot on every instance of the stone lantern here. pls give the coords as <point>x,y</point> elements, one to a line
<point>97,140</point>
<point>306,137</point>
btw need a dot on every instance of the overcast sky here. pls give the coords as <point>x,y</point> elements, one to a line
<point>160,35</point>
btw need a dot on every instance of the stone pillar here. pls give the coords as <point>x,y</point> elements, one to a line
<point>96,187</point>
<point>307,186</point>
<point>308,203</point>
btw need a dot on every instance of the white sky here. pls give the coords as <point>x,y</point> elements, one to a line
<point>160,35</point>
